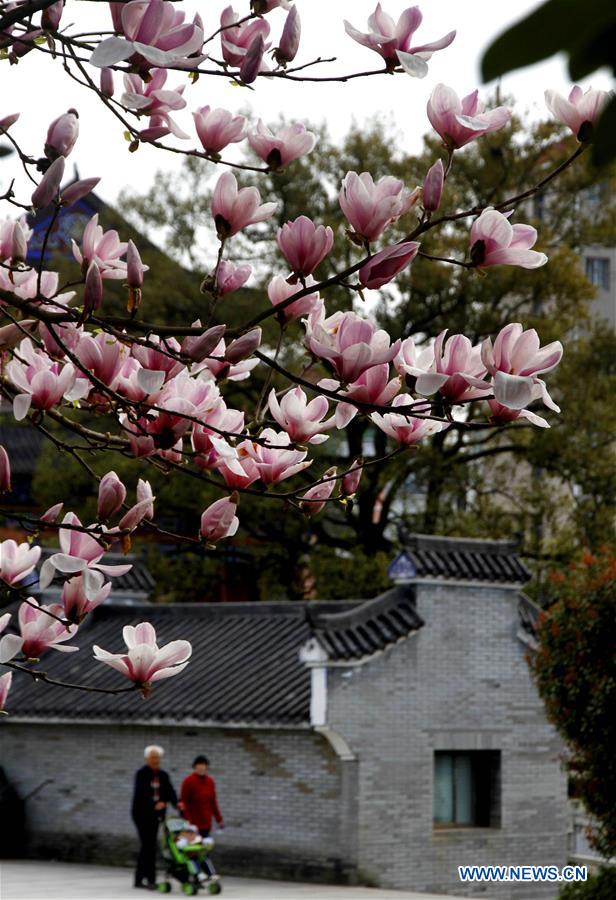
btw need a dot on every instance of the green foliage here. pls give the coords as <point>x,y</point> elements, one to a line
<point>575,671</point>
<point>601,886</point>
<point>587,36</point>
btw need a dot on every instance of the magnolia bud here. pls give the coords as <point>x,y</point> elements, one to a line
<point>5,471</point>
<point>111,496</point>
<point>219,520</point>
<point>7,121</point>
<point>289,40</point>
<point>62,134</point>
<point>106,82</point>
<point>386,264</point>
<point>201,346</point>
<point>50,18</point>
<point>77,190</point>
<point>314,499</point>
<point>19,245</point>
<point>49,185</point>
<point>352,478</point>
<point>433,186</point>
<point>93,291</point>
<point>249,69</point>
<point>243,347</point>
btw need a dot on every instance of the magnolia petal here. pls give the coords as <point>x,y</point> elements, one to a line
<point>413,64</point>
<point>513,391</point>
<point>10,645</point>
<point>112,51</point>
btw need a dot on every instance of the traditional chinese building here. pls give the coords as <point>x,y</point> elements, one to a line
<point>382,741</point>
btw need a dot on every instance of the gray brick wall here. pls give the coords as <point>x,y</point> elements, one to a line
<point>461,683</point>
<point>278,792</point>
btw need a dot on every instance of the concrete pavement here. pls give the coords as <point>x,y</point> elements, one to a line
<point>26,880</point>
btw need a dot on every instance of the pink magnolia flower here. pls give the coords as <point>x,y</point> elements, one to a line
<point>146,662</point>
<point>5,686</point>
<point>17,560</point>
<point>460,121</point>
<point>386,264</point>
<point>230,277</point>
<point>303,421</point>
<point>102,247</point>
<point>514,361</point>
<point>289,39</point>
<point>80,552</point>
<point>136,514</point>
<point>242,473</point>
<point>10,644</point>
<point>210,447</point>
<point>103,355</point>
<point>277,460</point>
<point>40,382</point>
<point>371,207</point>
<point>404,428</point>
<point>217,128</point>
<point>579,109</point>
<point>155,34</point>
<point>62,134</point>
<point>304,244</point>
<point>236,39</point>
<point>495,242</point>
<point>433,186</point>
<point>389,38</point>
<point>152,99</point>
<point>76,603</point>
<point>351,344</point>
<point>313,501</point>
<point>162,360</point>
<point>279,290</point>
<point>41,632</point>
<point>373,386</point>
<point>111,496</point>
<point>234,209</point>
<point>453,367</point>
<point>219,521</point>
<point>283,147</point>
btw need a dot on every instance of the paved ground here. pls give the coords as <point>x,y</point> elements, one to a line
<point>64,881</point>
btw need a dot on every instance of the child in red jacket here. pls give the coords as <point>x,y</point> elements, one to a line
<point>198,797</point>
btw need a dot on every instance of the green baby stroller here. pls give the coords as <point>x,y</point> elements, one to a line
<point>186,861</point>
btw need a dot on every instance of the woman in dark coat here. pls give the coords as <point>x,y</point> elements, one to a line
<point>153,790</point>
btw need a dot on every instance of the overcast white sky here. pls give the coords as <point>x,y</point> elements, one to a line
<point>40,89</point>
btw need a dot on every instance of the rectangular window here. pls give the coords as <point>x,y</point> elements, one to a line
<point>598,271</point>
<point>467,789</point>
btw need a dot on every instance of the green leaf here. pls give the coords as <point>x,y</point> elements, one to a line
<point>604,148</point>
<point>591,55</point>
<point>555,26</point>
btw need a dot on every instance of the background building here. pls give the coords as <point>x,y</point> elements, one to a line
<point>384,741</point>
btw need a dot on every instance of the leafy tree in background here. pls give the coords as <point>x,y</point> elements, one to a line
<point>557,498</point>
<point>575,670</point>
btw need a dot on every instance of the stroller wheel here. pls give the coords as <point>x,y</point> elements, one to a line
<point>215,887</point>
<point>189,888</point>
<point>164,887</point>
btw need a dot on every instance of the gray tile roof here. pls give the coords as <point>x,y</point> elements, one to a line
<point>367,628</point>
<point>459,559</point>
<point>245,666</point>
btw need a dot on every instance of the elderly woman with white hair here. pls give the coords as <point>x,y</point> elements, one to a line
<point>153,790</point>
